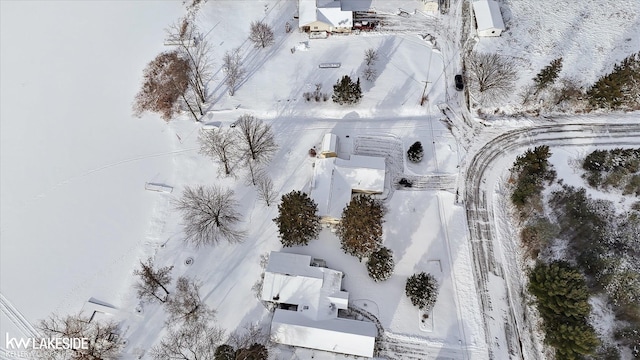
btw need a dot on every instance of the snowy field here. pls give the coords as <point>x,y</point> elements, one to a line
<point>75,213</point>
<point>73,159</point>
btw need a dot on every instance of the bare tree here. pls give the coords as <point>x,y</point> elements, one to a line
<point>233,68</point>
<point>198,52</point>
<point>221,146</point>
<point>248,335</point>
<point>261,34</point>
<point>370,56</point>
<point>186,306</point>
<point>492,76</point>
<point>165,82</point>
<point>210,215</point>
<point>369,73</point>
<point>254,173</point>
<point>266,192</point>
<point>103,342</point>
<point>258,142</point>
<point>191,341</point>
<point>151,280</point>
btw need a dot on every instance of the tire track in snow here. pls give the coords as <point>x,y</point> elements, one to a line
<point>17,318</point>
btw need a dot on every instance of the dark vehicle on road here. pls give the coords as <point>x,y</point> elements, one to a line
<point>459,82</point>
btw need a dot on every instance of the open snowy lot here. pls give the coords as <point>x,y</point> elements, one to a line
<point>74,161</point>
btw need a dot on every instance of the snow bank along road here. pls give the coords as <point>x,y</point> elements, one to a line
<point>495,265</point>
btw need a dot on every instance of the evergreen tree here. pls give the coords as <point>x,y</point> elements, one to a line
<point>562,298</point>
<point>561,291</point>
<point>360,229</point>
<point>422,290</point>
<point>225,352</point>
<point>619,88</point>
<point>415,152</point>
<point>530,170</point>
<point>298,222</point>
<point>253,352</point>
<point>572,341</point>
<point>380,265</point>
<point>548,74</point>
<point>345,91</point>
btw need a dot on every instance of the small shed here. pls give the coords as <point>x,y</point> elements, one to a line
<point>488,18</point>
<point>329,146</point>
<point>430,6</point>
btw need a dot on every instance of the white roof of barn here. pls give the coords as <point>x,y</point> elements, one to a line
<point>328,12</point>
<point>336,335</point>
<point>488,15</point>
<point>290,279</point>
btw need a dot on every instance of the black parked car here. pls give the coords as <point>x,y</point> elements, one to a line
<point>459,82</point>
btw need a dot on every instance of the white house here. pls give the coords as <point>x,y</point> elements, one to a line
<point>310,296</point>
<point>324,15</point>
<point>335,180</point>
<point>488,18</point>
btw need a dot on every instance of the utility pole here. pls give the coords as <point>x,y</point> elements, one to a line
<point>423,97</point>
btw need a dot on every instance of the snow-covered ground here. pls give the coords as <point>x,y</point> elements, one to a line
<point>73,159</point>
<point>591,36</point>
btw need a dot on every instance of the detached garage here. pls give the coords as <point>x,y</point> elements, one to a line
<point>488,18</point>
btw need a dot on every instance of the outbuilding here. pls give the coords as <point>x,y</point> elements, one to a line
<point>488,18</point>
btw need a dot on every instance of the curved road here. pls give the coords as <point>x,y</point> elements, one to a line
<point>497,276</point>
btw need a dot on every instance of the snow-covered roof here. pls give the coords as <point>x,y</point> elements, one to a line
<point>363,173</point>
<point>335,179</point>
<point>329,143</point>
<point>488,15</point>
<point>290,279</point>
<point>337,335</point>
<point>356,5</point>
<point>328,12</point>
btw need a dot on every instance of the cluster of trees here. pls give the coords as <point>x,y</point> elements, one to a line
<point>562,299</point>
<point>104,338</point>
<point>251,142</point>
<point>178,80</point>
<point>192,333</point>
<point>618,89</point>
<point>604,245</point>
<point>530,171</point>
<point>422,289</point>
<point>617,168</point>
<point>415,153</point>
<point>601,243</point>
<point>347,91</point>
<point>360,229</point>
<point>317,94</point>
